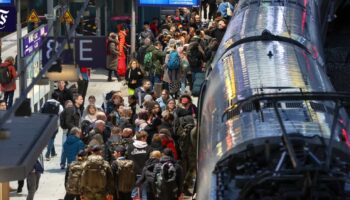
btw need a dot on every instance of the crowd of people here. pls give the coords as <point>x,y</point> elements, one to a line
<point>144,148</point>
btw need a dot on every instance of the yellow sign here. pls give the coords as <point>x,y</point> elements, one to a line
<point>67,17</point>
<point>33,17</point>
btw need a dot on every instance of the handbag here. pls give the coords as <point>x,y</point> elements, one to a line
<point>166,77</point>
<point>174,87</point>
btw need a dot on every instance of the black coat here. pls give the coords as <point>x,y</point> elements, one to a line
<point>72,117</point>
<point>64,95</point>
<point>134,75</point>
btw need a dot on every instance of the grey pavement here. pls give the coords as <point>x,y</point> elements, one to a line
<point>52,181</point>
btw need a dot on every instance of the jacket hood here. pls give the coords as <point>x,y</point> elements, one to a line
<point>71,139</point>
<point>150,48</point>
<point>151,161</point>
<point>140,144</point>
<point>165,159</point>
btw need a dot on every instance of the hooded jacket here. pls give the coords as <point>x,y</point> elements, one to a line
<point>157,59</point>
<point>71,148</point>
<point>139,153</point>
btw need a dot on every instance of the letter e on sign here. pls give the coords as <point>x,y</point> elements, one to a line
<point>82,56</point>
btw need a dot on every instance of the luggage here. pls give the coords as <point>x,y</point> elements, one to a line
<point>197,84</point>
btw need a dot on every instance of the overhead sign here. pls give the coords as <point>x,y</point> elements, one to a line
<point>67,17</point>
<point>52,45</point>
<point>7,19</point>
<point>169,3</point>
<point>33,17</point>
<point>33,40</point>
<point>89,51</point>
<point>6,2</point>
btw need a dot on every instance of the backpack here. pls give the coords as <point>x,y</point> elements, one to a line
<point>148,61</point>
<point>51,107</point>
<point>174,61</point>
<point>5,74</point>
<point>183,133</point>
<point>94,175</point>
<point>63,120</point>
<point>73,181</point>
<point>126,175</point>
<point>165,183</point>
<point>86,127</point>
<point>194,57</point>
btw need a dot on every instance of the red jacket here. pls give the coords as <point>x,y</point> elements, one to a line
<point>168,142</point>
<point>12,85</point>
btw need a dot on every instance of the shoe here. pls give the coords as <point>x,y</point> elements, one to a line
<point>54,155</point>
<point>19,190</point>
<point>47,159</point>
<point>62,167</point>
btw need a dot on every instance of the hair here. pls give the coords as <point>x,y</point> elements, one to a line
<point>141,134</point>
<point>185,96</point>
<point>147,41</point>
<point>116,130</point>
<point>76,96</point>
<point>165,131</point>
<point>75,130</point>
<point>98,122</point>
<point>133,60</point>
<point>66,103</point>
<point>90,106</point>
<point>168,117</point>
<point>155,154</point>
<point>133,97</point>
<point>117,96</point>
<point>143,115</point>
<point>157,43</point>
<point>101,116</point>
<point>10,59</point>
<point>144,81</point>
<point>55,95</point>
<point>92,97</point>
<point>156,138</point>
<point>2,101</point>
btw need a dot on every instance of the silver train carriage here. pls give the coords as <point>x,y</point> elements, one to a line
<point>271,124</point>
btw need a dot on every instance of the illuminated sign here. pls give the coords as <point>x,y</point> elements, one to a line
<point>33,40</point>
<point>6,2</point>
<point>168,2</point>
<point>7,19</point>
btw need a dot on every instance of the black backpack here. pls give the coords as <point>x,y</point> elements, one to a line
<point>5,74</point>
<point>51,107</point>
<point>165,181</point>
<point>62,120</point>
<point>194,57</point>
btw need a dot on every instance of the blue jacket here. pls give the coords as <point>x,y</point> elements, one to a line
<point>223,8</point>
<point>71,148</point>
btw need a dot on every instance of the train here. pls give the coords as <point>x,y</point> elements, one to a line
<point>271,124</point>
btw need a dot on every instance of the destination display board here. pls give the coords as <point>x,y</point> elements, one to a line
<point>7,2</point>
<point>189,3</point>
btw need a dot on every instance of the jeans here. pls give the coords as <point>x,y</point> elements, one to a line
<point>8,98</point>
<point>82,87</point>
<point>33,179</point>
<point>142,189</point>
<point>154,79</point>
<point>51,146</point>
